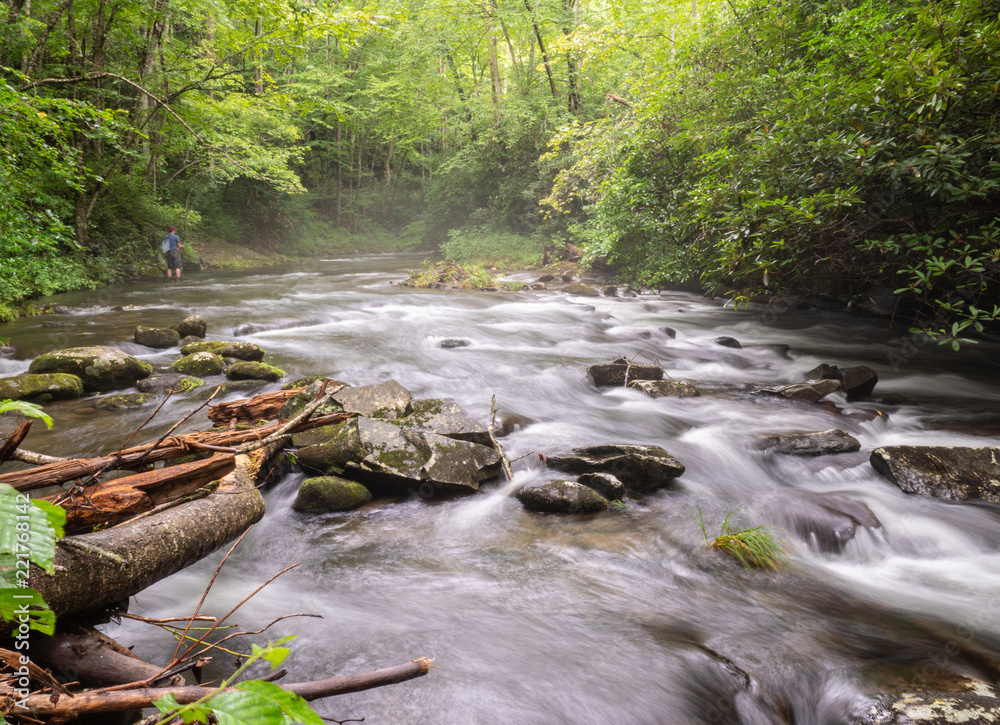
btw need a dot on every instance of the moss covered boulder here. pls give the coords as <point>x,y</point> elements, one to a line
<point>445,417</point>
<point>297,402</point>
<point>562,497</point>
<point>102,369</point>
<point>199,365</point>
<point>388,400</point>
<point>254,371</point>
<point>224,348</point>
<point>162,384</point>
<point>41,388</point>
<point>329,493</point>
<point>157,337</point>
<point>124,401</point>
<point>192,325</point>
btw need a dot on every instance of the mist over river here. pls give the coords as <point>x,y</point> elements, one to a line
<point>618,617</point>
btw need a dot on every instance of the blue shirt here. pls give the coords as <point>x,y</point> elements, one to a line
<point>173,240</point>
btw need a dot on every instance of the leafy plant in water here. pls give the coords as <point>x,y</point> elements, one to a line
<point>28,409</point>
<point>754,548</point>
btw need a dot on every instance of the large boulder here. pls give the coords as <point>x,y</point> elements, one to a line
<point>199,365</point>
<point>639,468</point>
<point>835,440</point>
<point>858,382</point>
<point>326,494</point>
<point>397,459</point>
<point>666,388</point>
<point>294,405</point>
<point>162,384</point>
<point>41,388</point>
<point>157,337</point>
<point>192,325</point>
<point>101,369</point>
<point>951,473</point>
<point>444,417</point>
<point>621,370</point>
<point>979,704</point>
<point>388,400</point>
<point>809,392</point>
<point>244,370</point>
<point>224,348</point>
<point>562,497</point>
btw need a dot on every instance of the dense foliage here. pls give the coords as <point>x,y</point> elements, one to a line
<point>824,146</point>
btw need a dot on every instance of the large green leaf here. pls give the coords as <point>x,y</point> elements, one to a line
<point>17,602</point>
<point>291,704</point>
<point>245,708</point>
<point>28,526</point>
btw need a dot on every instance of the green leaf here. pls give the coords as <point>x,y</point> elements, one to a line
<point>26,526</point>
<point>27,409</point>
<point>291,704</point>
<point>22,602</point>
<point>274,655</point>
<point>245,708</point>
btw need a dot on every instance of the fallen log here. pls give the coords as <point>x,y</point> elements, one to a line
<point>94,659</point>
<point>260,407</point>
<point>83,703</point>
<point>135,554</point>
<point>59,472</point>
<point>11,442</point>
<point>121,497</point>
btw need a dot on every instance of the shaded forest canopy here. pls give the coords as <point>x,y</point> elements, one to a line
<point>821,147</point>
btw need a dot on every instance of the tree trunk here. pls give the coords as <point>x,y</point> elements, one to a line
<point>258,68</point>
<point>573,90</point>
<point>541,47</point>
<point>90,579</point>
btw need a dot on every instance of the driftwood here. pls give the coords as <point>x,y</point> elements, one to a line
<point>62,471</point>
<point>98,701</point>
<point>260,407</point>
<point>11,442</point>
<point>94,659</point>
<point>106,567</point>
<point>121,497</point>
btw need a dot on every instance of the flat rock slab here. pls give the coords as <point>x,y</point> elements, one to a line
<point>562,497</point>
<point>810,392</point>
<point>388,400</point>
<point>666,388</point>
<point>640,468</point>
<point>445,417</point>
<point>979,707</point>
<point>617,372</point>
<point>836,440</point>
<point>951,473</point>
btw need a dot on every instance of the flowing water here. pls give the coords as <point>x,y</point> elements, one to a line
<point>621,617</point>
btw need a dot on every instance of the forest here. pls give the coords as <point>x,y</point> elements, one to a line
<point>760,150</point>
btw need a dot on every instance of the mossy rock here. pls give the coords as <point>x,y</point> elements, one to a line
<point>102,369</point>
<point>330,493</point>
<point>156,337</point>
<point>124,401</point>
<point>169,384</point>
<point>316,436</point>
<point>294,405</point>
<point>254,371</point>
<point>37,388</point>
<point>232,386</point>
<point>307,381</point>
<point>224,348</point>
<point>562,497</point>
<point>192,325</point>
<point>199,364</point>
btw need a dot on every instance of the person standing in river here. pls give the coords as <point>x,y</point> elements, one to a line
<point>172,249</point>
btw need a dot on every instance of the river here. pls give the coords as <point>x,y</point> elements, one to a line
<point>621,617</point>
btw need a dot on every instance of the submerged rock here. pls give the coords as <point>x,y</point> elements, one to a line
<point>156,337</point>
<point>199,364</point>
<point>192,326</point>
<point>616,372</point>
<point>666,388</point>
<point>835,440</point>
<point>726,341</point>
<point>41,388</point>
<point>604,483</point>
<point>979,704</point>
<point>809,392</point>
<point>223,348</point>
<point>826,522</point>
<point>639,468</point>
<point>244,370</point>
<point>562,497</point>
<point>454,342</point>
<point>232,386</point>
<point>169,384</point>
<point>388,400</point>
<point>123,401</point>
<point>580,289</point>
<point>951,473</point>
<point>101,369</point>
<point>326,494</point>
